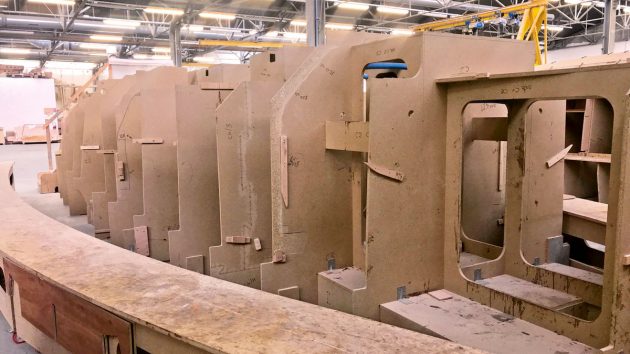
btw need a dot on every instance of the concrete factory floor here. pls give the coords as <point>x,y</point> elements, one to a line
<point>29,160</point>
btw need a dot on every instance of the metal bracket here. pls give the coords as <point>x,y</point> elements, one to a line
<point>477,274</point>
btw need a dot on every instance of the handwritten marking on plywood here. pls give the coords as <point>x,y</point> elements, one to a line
<point>347,136</point>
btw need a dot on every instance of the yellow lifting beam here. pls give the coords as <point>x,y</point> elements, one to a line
<point>534,16</point>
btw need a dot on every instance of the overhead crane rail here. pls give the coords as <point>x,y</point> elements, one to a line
<point>533,21</point>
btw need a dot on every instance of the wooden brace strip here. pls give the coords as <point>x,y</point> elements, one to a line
<point>559,156</point>
<point>284,173</point>
<point>90,147</point>
<point>385,172</point>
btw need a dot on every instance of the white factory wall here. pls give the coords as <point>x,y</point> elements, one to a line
<point>22,101</point>
<point>583,51</point>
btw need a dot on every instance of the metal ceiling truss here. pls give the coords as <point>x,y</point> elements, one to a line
<point>61,28</point>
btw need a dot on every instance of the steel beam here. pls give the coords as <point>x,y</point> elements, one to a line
<point>315,22</point>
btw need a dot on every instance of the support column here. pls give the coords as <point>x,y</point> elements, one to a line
<point>315,21</point>
<point>175,39</point>
<point>610,22</point>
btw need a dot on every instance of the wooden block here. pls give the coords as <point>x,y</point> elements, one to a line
<point>441,295</point>
<point>626,260</point>
<point>90,147</point>
<point>238,239</point>
<point>47,182</point>
<point>141,237</point>
<point>347,136</point>
<point>195,263</point>
<point>257,244</point>
<point>120,170</point>
<point>530,292</point>
<point>107,151</point>
<point>293,292</point>
<point>279,257</point>
<point>148,141</point>
<point>208,85</point>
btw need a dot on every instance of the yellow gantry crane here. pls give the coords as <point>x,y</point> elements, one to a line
<point>533,21</point>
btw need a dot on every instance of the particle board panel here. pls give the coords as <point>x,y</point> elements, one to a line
<point>71,154</point>
<point>530,292</point>
<point>591,277</point>
<point>518,90</point>
<point>129,115</point>
<point>128,190</point>
<point>467,322</point>
<point>159,170</point>
<point>483,194</point>
<point>112,97</point>
<point>197,310</point>
<point>244,181</point>
<point>405,221</point>
<point>92,175</point>
<point>317,221</point>
<point>197,183</point>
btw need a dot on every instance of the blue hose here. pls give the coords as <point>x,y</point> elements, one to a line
<point>386,65</point>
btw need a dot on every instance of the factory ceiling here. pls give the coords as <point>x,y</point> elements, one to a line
<point>93,30</point>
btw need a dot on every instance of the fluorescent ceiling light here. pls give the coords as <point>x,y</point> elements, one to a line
<point>17,32</point>
<point>554,28</point>
<point>106,38</point>
<point>434,14</point>
<point>359,6</point>
<point>402,32</point>
<point>161,49</point>
<point>69,65</point>
<point>572,2</point>
<point>586,3</point>
<point>298,23</point>
<point>217,15</point>
<point>15,51</point>
<point>31,20</point>
<point>53,2</point>
<point>121,22</point>
<point>163,11</point>
<point>95,46</point>
<point>600,4</point>
<point>153,57</point>
<point>339,26</point>
<point>99,54</point>
<point>389,10</point>
<point>102,25</point>
<point>626,10</point>
<point>205,60</point>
